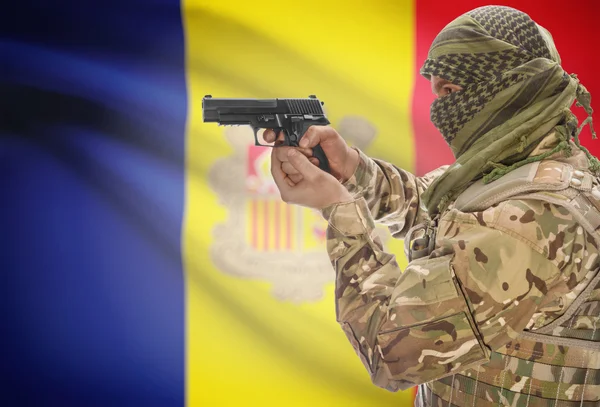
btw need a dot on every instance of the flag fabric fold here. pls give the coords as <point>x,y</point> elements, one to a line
<point>147,258</point>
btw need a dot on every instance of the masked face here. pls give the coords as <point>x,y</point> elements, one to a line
<point>442,87</point>
<point>444,107</point>
<point>483,54</point>
<point>510,92</point>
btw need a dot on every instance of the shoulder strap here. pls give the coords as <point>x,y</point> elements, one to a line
<point>537,176</point>
<point>551,181</point>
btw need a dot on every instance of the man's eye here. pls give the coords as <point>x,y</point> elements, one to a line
<point>447,91</point>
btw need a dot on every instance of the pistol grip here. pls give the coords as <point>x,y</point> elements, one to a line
<point>319,154</point>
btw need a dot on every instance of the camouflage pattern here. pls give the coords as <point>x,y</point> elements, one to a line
<point>452,322</point>
<point>393,202</point>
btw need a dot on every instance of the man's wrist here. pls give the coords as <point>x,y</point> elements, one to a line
<point>342,198</point>
<point>351,165</point>
<point>364,171</point>
<point>349,218</point>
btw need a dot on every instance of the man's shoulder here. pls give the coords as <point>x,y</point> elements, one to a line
<point>534,219</point>
<point>546,227</point>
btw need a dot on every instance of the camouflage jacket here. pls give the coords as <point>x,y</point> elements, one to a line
<point>458,312</point>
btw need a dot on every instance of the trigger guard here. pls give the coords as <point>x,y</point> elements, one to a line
<point>255,130</point>
<point>276,130</point>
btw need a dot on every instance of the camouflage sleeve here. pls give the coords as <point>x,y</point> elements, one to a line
<point>445,312</point>
<point>392,194</point>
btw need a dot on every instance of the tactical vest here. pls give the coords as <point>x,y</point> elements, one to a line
<point>557,364</point>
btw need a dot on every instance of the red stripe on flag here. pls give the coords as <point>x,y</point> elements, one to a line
<point>431,149</point>
<point>573,42</point>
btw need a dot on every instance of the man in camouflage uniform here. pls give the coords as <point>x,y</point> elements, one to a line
<point>500,302</point>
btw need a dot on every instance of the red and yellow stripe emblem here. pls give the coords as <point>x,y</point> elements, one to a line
<point>271,225</point>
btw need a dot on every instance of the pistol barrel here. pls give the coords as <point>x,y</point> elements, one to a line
<point>214,108</point>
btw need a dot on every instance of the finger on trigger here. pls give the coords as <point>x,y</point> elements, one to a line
<point>269,135</point>
<point>314,161</point>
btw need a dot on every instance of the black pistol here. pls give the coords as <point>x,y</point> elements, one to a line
<point>292,116</point>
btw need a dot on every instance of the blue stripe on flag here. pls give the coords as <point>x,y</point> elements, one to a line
<point>92,126</point>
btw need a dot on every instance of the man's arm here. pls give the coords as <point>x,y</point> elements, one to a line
<point>445,313</point>
<point>393,195</point>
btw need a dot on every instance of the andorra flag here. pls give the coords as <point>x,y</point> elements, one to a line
<point>146,257</point>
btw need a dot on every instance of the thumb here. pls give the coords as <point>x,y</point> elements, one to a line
<point>312,137</point>
<point>303,165</point>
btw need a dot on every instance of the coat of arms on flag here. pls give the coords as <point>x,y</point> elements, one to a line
<point>263,237</point>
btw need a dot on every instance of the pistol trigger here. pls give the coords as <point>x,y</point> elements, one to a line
<point>286,137</point>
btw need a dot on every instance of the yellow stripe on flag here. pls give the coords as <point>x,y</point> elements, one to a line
<point>256,331</point>
<point>249,226</point>
<point>292,225</point>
